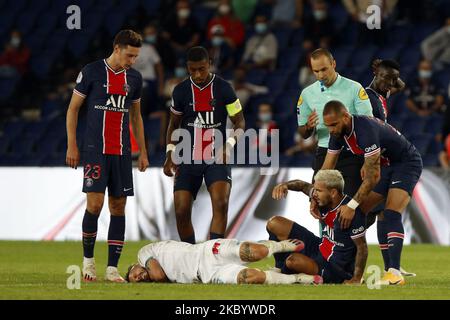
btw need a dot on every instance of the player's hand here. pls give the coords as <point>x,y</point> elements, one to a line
<point>143,162</point>
<point>346,215</point>
<point>223,155</point>
<point>280,191</point>
<point>314,209</point>
<point>354,281</point>
<point>313,120</point>
<point>169,167</point>
<point>73,156</point>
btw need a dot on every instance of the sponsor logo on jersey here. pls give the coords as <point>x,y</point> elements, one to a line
<point>371,148</point>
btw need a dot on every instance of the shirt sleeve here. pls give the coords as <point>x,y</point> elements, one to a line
<point>334,145</point>
<point>361,102</point>
<point>376,111</point>
<point>358,225</point>
<point>303,110</point>
<point>177,102</point>
<point>368,139</point>
<point>138,92</point>
<point>83,83</point>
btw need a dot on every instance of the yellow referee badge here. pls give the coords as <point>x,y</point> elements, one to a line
<point>300,100</point>
<point>363,94</point>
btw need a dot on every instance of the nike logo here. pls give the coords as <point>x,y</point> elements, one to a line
<point>127,189</point>
<point>395,182</point>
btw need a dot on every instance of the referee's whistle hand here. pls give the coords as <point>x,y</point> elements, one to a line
<point>313,120</point>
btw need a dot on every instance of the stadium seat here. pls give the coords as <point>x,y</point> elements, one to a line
<point>7,86</point>
<point>202,15</point>
<point>276,82</point>
<point>434,124</point>
<point>25,21</point>
<point>78,44</point>
<point>413,125</point>
<point>399,34</point>
<point>292,83</point>
<point>442,78</point>
<point>22,147</point>
<point>297,37</point>
<point>286,103</point>
<point>362,57</point>
<point>301,160</point>
<point>283,36</point>
<point>290,58</point>
<point>435,147</point>
<point>410,56</point>
<point>339,16</point>
<point>430,160</point>
<point>116,19</point>
<point>256,76</point>
<point>389,52</point>
<point>151,6</point>
<point>13,129</point>
<point>421,142</point>
<point>16,5</point>
<point>55,160</point>
<point>396,121</point>
<point>421,31</point>
<point>4,144</point>
<point>342,56</point>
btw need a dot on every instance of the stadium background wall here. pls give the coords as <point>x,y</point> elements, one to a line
<point>47,204</point>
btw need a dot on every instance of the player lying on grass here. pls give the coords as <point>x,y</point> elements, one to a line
<point>340,255</point>
<point>213,261</point>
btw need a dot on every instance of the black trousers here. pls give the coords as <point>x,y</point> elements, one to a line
<point>348,164</point>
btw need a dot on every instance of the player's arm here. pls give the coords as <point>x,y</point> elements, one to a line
<point>138,130</point>
<point>174,123</point>
<point>330,160</point>
<point>280,191</point>
<point>73,154</point>
<point>371,176</point>
<point>362,253</point>
<point>236,115</point>
<point>361,102</point>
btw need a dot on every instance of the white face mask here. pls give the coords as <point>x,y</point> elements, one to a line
<point>184,13</point>
<point>15,41</point>
<point>320,14</point>
<point>224,9</point>
<point>425,74</point>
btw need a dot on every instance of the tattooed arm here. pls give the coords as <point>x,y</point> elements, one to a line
<point>360,260</point>
<point>371,173</point>
<point>280,191</point>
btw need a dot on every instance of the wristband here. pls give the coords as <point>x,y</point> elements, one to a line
<point>170,147</point>
<point>353,204</point>
<point>231,141</point>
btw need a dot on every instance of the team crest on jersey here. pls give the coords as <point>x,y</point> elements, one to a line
<point>363,94</point>
<point>126,88</point>
<point>89,182</point>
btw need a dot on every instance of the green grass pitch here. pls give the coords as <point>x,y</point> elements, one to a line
<point>37,270</point>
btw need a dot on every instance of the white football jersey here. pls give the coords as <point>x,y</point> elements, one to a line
<point>179,260</point>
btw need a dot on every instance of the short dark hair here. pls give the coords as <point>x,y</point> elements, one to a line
<point>333,106</point>
<point>196,54</point>
<point>321,52</point>
<point>389,63</point>
<point>127,275</point>
<point>128,38</point>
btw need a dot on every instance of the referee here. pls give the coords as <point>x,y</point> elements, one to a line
<point>331,86</point>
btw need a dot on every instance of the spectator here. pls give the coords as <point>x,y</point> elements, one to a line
<point>244,9</point>
<point>150,66</point>
<point>436,47</point>
<point>220,51</point>
<point>234,31</point>
<point>288,13</point>
<point>179,75</point>
<point>424,98</point>
<point>181,29</point>
<point>262,48</point>
<point>14,59</point>
<point>265,122</point>
<point>245,90</point>
<point>357,10</point>
<point>319,30</point>
<point>308,145</point>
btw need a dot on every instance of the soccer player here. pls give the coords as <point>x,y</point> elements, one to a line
<point>340,255</point>
<point>201,105</point>
<point>368,136</point>
<point>331,86</point>
<point>214,261</point>
<point>112,92</point>
<point>385,83</point>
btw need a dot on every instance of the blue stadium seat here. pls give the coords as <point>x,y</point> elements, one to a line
<point>7,86</point>
<point>301,160</point>
<point>389,52</point>
<point>106,5</point>
<point>442,78</point>
<point>338,15</point>
<point>34,130</point>
<point>349,35</point>
<point>434,124</point>
<point>283,36</point>
<point>38,6</point>
<point>16,5</point>
<point>4,144</point>
<point>286,103</point>
<point>6,20</point>
<point>421,142</point>
<point>399,35</point>
<point>410,56</point>
<point>342,56</point>
<point>93,20</point>
<point>290,58</point>
<point>14,128</point>
<point>41,64</point>
<point>297,37</point>
<point>25,21</point>
<point>22,147</point>
<point>396,121</point>
<point>421,31</point>
<point>202,15</point>
<point>78,44</point>
<point>49,144</point>
<point>362,57</point>
<point>151,6</point>
<point>256,76</point>
<point>293,83</point>
<point>276,82</point>
<point>435,147</point>
<point>116,19</point>
<point>55,160</point>
<point>430,160</point>
<point>413,125</point>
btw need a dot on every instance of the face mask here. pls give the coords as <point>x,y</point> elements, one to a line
<point>150,39</point>
<point>425,74</point>
<point>180,72</point>
<point>183,13</point>
<point>320,14</point>
<point>261,27</point>
<point>217,41</point>
<point>265,117</point>
<point>224,9</point>
<point>15,41</point>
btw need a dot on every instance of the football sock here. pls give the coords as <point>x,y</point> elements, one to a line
<point>383,242</point>
<point>395,235</point>
<point>190,239</point>
<point>280,258</point>
<point>213,235</point>
<point>116,236</point>
<point>89,228</point>
<point>279,278</point>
